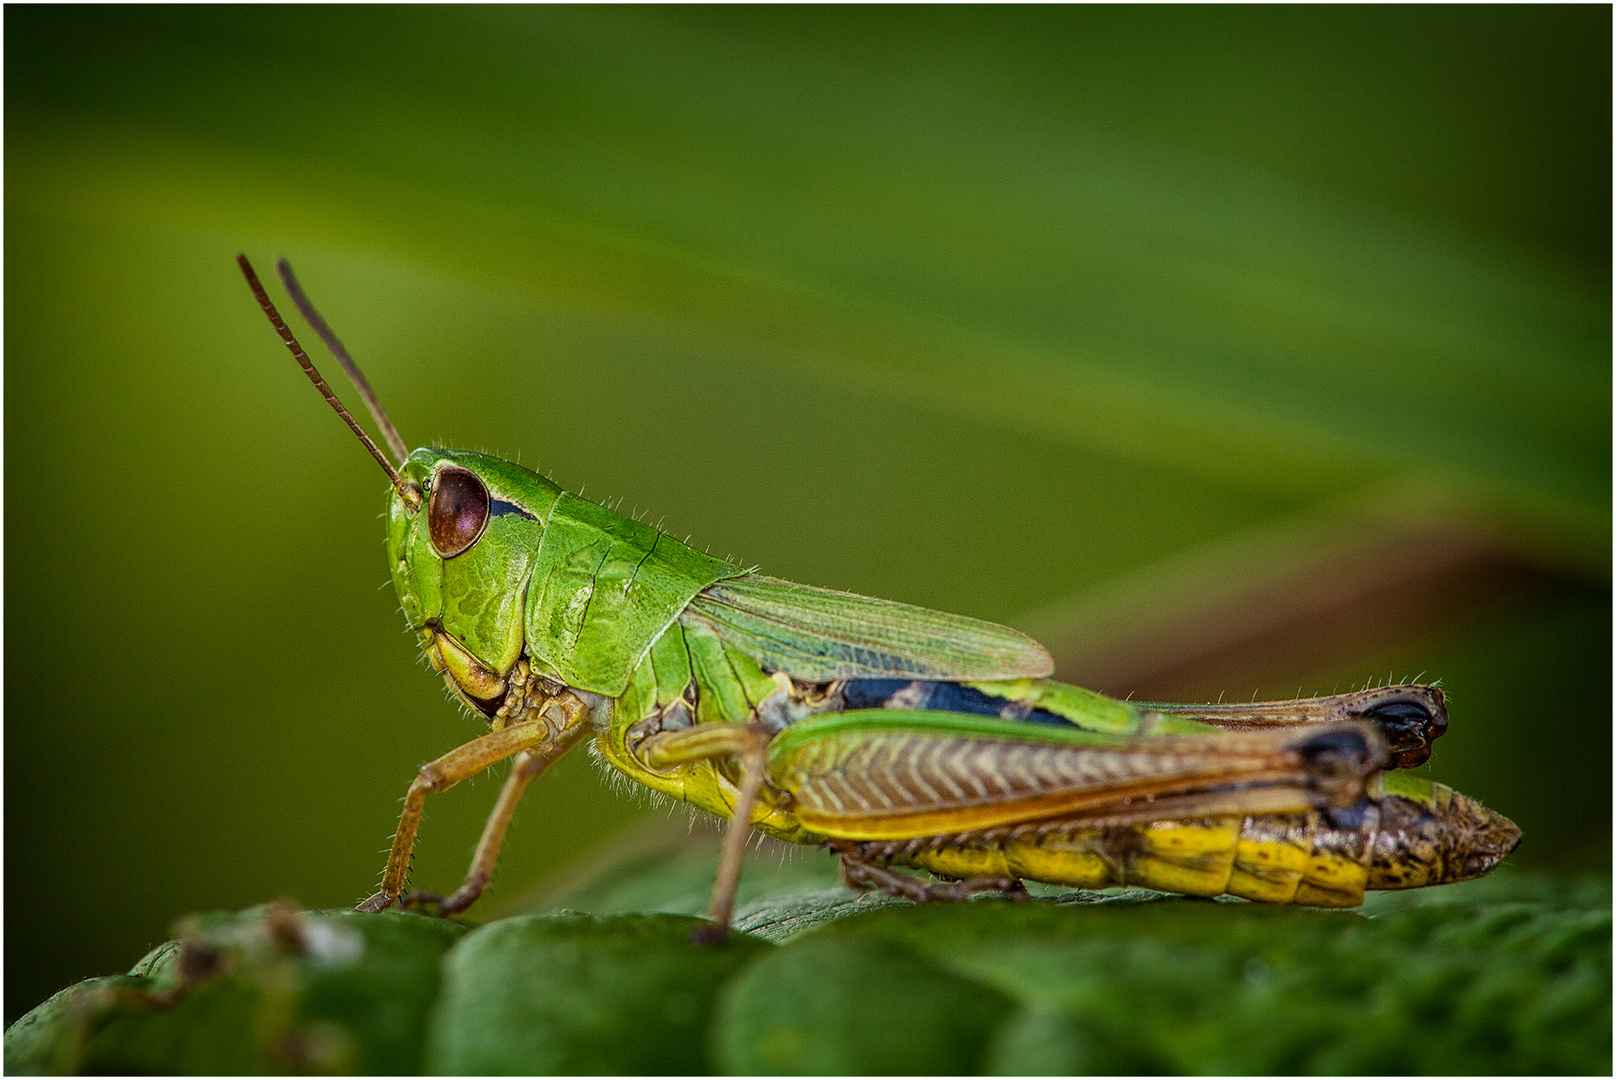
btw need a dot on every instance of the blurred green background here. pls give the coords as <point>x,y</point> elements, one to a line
<point>1231,351</point>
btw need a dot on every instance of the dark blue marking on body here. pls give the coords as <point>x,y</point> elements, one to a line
<point>933,696</point>
<point>498,507</point>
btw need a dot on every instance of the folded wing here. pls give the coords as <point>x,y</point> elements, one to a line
<point>818,635</point>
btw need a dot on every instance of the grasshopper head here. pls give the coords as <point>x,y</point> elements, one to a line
<point>460,555</point>
<point>462,533</point>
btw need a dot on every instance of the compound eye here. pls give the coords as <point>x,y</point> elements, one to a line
<point>457,511</point>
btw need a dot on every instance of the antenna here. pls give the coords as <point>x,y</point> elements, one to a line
<point>406,490</point>
<point>355,376</point>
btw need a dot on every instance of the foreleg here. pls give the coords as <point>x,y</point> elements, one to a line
<point>527,767</point>
<point>440,775</point>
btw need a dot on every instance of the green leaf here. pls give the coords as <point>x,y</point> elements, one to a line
<point>45,1041</point>
<point>1509,974</point>
<point>263,990</point>
<point>581,994</point>
<point>833,1004</point>
<point>1185,985</point>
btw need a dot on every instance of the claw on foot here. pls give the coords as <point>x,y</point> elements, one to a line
<point>444,907</point>
<point>379,902</point>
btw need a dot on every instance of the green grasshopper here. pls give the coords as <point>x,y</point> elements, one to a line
<point>892,735</point>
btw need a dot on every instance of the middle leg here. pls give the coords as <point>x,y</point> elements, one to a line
<point>749,743</point>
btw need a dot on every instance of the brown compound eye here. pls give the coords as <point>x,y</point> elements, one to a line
<point>457,511</point>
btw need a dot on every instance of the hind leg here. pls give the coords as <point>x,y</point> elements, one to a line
<point>860,873</point>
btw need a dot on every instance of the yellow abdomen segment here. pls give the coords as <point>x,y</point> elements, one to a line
<point>1268,859</point>
<point>1193,858</point>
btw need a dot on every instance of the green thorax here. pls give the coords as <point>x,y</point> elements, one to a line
<point>604,587</point>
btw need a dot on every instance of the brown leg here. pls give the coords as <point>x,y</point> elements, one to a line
<point>729,864</point>
<point>860,874</point>
<point>528,767</point>
<point>440,775</point>
<point>750,743</point>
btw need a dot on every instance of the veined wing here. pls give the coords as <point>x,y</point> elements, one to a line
<point>892,773</point>
<point>818,635</point>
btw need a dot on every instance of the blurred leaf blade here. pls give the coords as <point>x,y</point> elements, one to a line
<point>981,309</point>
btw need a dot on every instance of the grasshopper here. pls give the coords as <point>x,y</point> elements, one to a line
<point>893,735</point>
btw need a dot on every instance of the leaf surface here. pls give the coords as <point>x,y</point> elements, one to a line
<point>1510,974</point>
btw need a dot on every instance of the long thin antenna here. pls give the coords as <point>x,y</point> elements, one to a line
<point>357,377</point>
<point>406,490</point>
